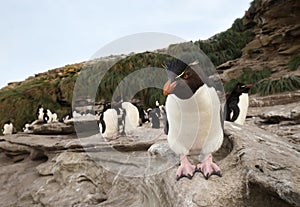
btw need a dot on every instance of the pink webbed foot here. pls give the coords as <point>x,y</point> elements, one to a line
<point>207,167</point>
<point>108,139</point>
<point>186,169</point>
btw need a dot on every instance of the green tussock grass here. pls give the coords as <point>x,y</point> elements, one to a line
<point>294,63</point>
<point>248,76</point>
<point>227,45</point>
<point>268,87</point>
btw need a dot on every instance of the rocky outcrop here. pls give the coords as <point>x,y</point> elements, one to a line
<point>51,128</point>
<point>282,120</point>
<point>275,99</point>
<point>277,29</point>
<point>275,114</point>
<point>91,172</point>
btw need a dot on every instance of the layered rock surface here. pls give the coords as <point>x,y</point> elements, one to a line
<point>259,168</point>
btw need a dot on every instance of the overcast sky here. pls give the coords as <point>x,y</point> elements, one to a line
<point>37,35</point>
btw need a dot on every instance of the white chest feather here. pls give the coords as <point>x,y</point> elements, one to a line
<point>41,114</point>
<point>8,129</point>
<point>195,123</point>
<point>131,118</point>
<point>243,106</point>
<point>110,117</point>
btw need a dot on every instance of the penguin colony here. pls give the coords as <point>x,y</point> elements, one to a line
<point>122,119</point>
<point>43,116</point>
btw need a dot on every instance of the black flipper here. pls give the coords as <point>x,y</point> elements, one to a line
<point>102,122</point>
<point>235,109</point>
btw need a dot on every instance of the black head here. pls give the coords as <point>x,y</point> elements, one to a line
<point>8,122</point>
<point>242,88</point>
<point>183,80</point>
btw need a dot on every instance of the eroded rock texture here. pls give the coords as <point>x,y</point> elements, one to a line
<point>259,169</point>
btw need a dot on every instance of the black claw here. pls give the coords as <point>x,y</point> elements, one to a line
<point>206,176</point>
<point>184,176</point>
<point>218,173</point>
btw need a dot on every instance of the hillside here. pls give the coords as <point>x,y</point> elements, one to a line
<point>274,53</point>
<point>261,48</point>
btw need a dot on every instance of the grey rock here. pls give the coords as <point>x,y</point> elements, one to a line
<point>159,148</point>
<point>51,128</point>
<point>259,169</point>
<point>275,99</point>
<point>295,114</point>
<point>277,113</point>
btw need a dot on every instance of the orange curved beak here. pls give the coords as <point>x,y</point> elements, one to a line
<point>168,87</point>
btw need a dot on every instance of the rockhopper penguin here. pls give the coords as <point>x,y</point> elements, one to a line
<point>237,103</point>
<point>194,114</point>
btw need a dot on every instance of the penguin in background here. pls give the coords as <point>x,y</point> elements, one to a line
<point>108,122</point>
<point>67,117</point>
<point>40,112</point>
<point>50,116</point>
<point>131,117</point>
<point>157,109</point>
<point>195,122</point>
<point>45,116</point>
<point>237,103</point>
<point>8,128</point>
<point>154,115</point>
<point>76,114</point>
<point>142,115</point>
<point>54,118</point>
<point>26,128</point>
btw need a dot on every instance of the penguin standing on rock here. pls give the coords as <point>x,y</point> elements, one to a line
<point>237,103</point>
<point>194,113</point>
<point>8,128</point>
<point>109,123</point>
<point>45,116</point>
<point>131,117</point>
<point>49,113</point>
<point>40,113</point>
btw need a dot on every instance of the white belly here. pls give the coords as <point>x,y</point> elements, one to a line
<point>8,129</point>
<point>131,118</point>
<point>243,106</point>
<point>110,117</point>
<point>195,123</point>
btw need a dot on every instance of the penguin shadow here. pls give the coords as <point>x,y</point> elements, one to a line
<point>225,149</point>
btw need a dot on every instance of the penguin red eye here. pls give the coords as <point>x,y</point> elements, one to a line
<point>186,75</point>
